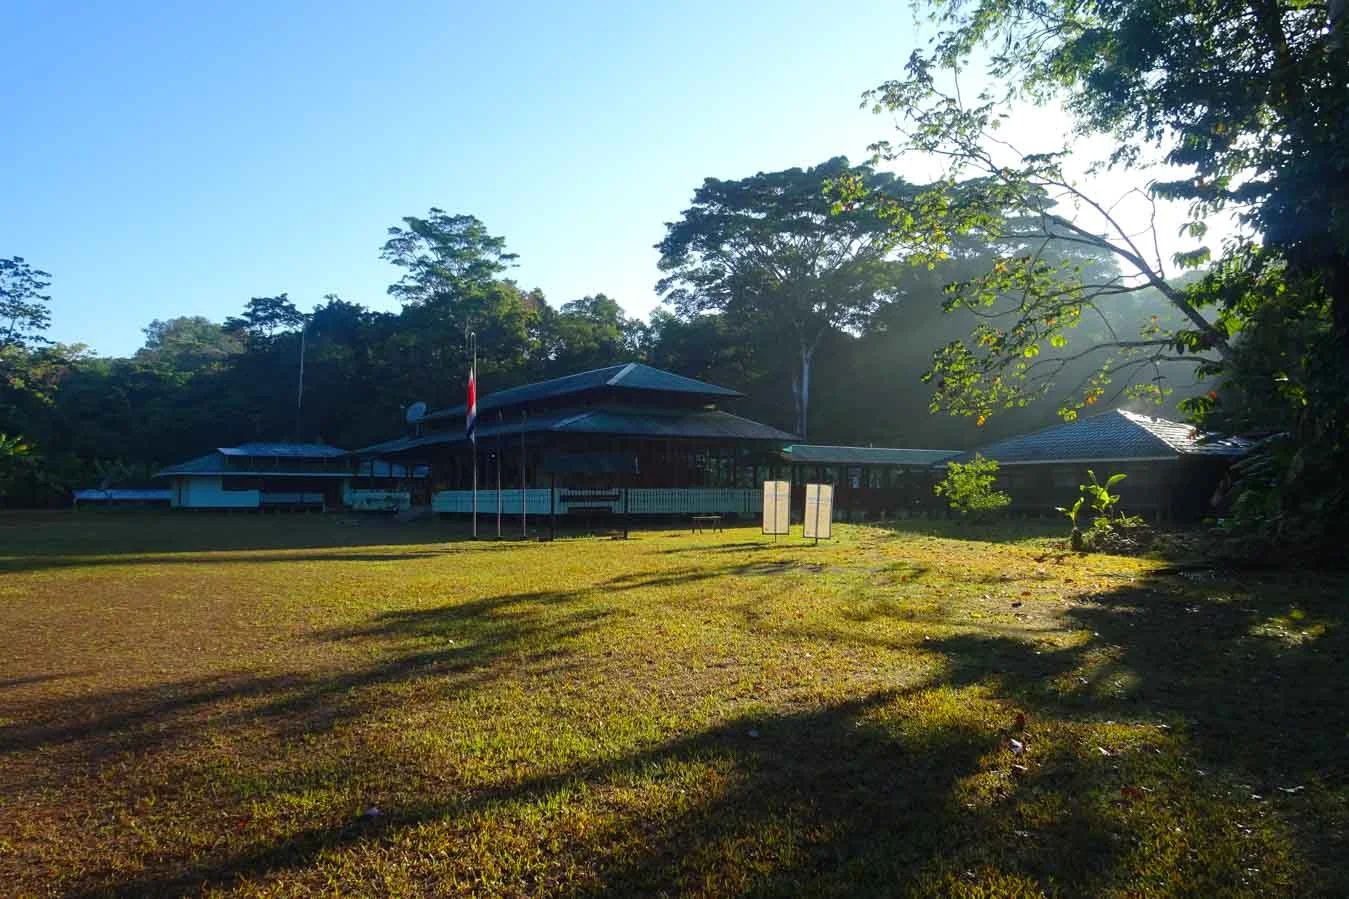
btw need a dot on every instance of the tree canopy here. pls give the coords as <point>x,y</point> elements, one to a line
<point>772,251</point>
<point>1246,100</point>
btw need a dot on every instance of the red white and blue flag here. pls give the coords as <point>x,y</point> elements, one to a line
<point>471,424</point>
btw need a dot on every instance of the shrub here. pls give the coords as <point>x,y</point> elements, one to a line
<point>1074,536</point>
<point>968,489</point>
<point>1111,530</point>
<point>1103,502</point>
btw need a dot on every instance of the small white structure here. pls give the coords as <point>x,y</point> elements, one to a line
<point>262,475</point>
<point>819,516</point>
<point>288,476</point>
<point>293,476</point>
<point>777,507</point>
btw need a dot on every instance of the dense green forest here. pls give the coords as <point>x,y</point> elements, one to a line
<point>197,384</point>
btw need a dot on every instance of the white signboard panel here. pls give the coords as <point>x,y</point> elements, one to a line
<point>777,507</point>
<point>819,511</point>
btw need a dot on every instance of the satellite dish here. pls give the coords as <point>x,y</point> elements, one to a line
<point>416,412</point>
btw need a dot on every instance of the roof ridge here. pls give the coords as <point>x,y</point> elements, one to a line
<point>571,419</point>
<point>622,373</point>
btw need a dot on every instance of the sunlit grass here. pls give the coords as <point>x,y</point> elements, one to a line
<point>311,706</point>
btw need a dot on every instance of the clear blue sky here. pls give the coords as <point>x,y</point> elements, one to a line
<point>162,162</point>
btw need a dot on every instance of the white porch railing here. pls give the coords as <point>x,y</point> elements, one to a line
<point>715,500</point>
<point>461,501</point>
<point>641,501</point>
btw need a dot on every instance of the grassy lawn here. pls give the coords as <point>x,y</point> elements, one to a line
<point>306,706</point>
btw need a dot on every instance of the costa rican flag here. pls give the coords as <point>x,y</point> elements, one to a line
<point>471,424</point>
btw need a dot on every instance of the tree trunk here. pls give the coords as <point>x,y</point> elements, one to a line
<point>801,388</point>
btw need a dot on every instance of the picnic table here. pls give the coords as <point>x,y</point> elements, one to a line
<point>705,522</point>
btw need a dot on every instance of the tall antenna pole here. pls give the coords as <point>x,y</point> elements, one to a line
<point>473,444</point>
<point>299,391</point>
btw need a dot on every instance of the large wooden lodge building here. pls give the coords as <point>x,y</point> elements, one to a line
<point>627,438</point>
<point>632,439</point>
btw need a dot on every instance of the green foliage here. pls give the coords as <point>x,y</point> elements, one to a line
<point>969,491</point>
<point>15,459</point>
<point>444,255</point>
<point>1123,535</point>
<point>24,315</point>
<point>1111,530</point>
<point>591,332</point>
<point>1102,501</point>
<point>263,318</point>
<point>775,253</point>
<point>190,343</point>
<point>1075,535</point>
<point>1239,98</point>
<point>1071,511</point>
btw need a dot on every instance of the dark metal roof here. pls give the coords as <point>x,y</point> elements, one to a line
<point>629,376</point>
<point>865,455</point>
<point>215,464</point>
<point>610,420</point>
<point>283,450</point>
<point>1115,435</point>
<point>693,423</point>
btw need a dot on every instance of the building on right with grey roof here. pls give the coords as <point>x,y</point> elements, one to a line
<point>1173,471</point>
<point>869,481</point>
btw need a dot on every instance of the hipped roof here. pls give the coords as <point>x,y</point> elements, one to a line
<point>628,376</point>
<point>608,420</point>
<point>1116,435</point>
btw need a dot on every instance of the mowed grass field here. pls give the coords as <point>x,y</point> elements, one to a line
<point>272,706</point>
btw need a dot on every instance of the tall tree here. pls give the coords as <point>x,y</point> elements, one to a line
<point>443,254</point>
<point>188,342</point>
<point>24,316</point>
<point>1249,100</point>
<point>265,317</point>
<point>772,249</point>
<point>453,283</point>
<point>590,333</point>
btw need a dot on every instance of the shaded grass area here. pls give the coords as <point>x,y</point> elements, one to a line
<point>313,708</point>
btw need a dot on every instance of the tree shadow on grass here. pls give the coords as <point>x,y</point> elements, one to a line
<point>1247,674</point>
<point>863,797</point>
<point>742,546</point>
<point>467,643</point>
<point>1254,669</point>
<point>1240,679</point>
<point>852,805</point>
<point>897,790</point>
<point>29,563</point>
<point>39,540</point>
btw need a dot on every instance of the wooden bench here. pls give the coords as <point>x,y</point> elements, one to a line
<point>705,522</point>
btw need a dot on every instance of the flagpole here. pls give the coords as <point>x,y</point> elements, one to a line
<point>498,475</point>
<point>524,488</point>
<point>473,438</point>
